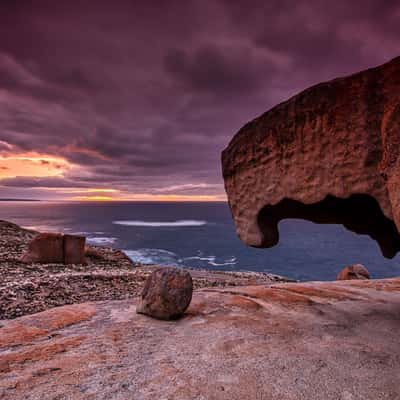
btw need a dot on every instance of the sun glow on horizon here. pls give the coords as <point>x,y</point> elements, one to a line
<point>38,166</point>
<point>93,198</point>
<point>151,197</point>
<point>83,191</point>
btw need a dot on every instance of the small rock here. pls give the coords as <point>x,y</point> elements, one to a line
<point>93,253</point>
<point>167,293</point>
<point>355,271</point>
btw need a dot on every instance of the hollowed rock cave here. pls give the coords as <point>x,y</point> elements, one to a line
<point>360,213</point>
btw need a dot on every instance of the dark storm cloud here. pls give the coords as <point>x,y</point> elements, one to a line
<point>47,182</point>
<point>215,70</point>
<point>143,96</point>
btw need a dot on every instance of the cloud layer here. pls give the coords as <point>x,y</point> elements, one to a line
<point>141,97</point>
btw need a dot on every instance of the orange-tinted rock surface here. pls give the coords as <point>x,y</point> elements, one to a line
<point>329,155</point>
<point>316,340</point>
<point>356,271</point>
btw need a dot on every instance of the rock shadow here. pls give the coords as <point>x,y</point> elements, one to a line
<point>359,213</point>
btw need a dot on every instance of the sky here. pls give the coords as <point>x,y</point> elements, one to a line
<point>135,100</point>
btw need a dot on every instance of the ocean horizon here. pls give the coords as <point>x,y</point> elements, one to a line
<point>202,235</point>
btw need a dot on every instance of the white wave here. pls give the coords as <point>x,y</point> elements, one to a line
<point>179,223</point>
<point>165,257</point>
<point>215,264</point>
<point>88,233</point>
<point>46,228</point>
<point>153,256</point>
<point>101,240</point>
<point>211,260</point>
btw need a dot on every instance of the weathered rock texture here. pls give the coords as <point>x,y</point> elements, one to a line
<point>329,154</point>
<point>356,271</point>
<point>166,294</point>
<point>313,341</point>
<point>47,248</point>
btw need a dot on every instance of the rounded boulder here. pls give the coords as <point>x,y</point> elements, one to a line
<point>355,271</point>
<point>167,293</point>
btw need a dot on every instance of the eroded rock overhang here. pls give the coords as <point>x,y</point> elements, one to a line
<point>329,155</point>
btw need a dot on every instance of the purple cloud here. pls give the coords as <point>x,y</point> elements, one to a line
<point>144,96</point>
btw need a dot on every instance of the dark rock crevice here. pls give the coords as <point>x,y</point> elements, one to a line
<point>359,213</point>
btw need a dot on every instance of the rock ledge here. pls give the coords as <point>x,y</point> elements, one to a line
<point>319,340</point>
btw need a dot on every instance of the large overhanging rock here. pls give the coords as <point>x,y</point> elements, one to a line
<point>329,155</point>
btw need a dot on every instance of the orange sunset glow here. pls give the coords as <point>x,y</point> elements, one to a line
<point>149,197</point>
<point>32,165</point>
<point>36,166</point>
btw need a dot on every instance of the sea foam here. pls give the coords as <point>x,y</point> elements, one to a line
<point>153,256</point>
<point>180,223</point>
<point>212,260</point>
<point>101,240</point>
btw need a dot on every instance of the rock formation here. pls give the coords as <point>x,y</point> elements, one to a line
<point>45,248</point>
<point>356,271</point>
<point>329,155</point>
<point>74,249</point>
<point>167,293</point>
<point>316,340</point>
<point>56,248</point>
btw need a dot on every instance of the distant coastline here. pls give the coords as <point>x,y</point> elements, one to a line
<point>19,199</point>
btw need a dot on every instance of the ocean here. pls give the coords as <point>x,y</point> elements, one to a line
<point>202,235</point>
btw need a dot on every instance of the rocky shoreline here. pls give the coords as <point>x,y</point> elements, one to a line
<point>108,275</point>
<point>244,336</point>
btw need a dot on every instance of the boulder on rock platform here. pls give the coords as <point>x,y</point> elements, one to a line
<point>355,271</point>
<point>166,294</point>
<point>74,249</point>
<point>45,248</point>
<point>56,248</point>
